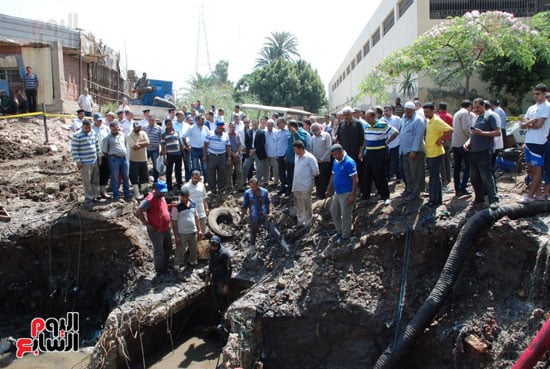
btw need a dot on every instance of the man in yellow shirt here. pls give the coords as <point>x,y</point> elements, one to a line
<point>436,131</point>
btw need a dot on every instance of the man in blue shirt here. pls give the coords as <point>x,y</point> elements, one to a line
<point>344,183</point>
<point>257,199</point>
<point>411,151</point>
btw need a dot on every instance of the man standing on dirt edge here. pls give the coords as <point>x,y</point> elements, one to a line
<point>85,151</point>
<point>158,225</point>
<point>219,273</point>
<point>344,182</point>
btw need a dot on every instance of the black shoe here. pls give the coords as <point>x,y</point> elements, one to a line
<point>432,204</point>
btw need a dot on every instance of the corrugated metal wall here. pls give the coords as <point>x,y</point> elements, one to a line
<point>441,9</point>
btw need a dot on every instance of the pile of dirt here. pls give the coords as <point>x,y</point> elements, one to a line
<point>319,305</point>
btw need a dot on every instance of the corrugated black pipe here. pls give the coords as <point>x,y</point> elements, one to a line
<point>469,232</point>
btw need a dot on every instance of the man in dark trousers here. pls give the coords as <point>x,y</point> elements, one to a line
<point>254,141</point>
<point>219,273</point>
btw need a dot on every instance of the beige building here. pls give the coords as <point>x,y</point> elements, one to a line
<point>396,24</point>
<point>66,60</point>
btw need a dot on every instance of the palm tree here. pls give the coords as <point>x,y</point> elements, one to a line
<point>278,45</point>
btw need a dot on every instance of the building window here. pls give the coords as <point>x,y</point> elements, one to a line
<point>10,74</point>
<point>353,64</point>
<point>403,6</point>
<point>366,48</point>
<point>388,22</point>
<point>348,69</point>
<point>358,57</point>
<point>441,9</point>
<point>375,37</point>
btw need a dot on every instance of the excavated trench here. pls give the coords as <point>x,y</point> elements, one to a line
<point>337,320</point>
<point>319,307</point>
<point>74,264</point>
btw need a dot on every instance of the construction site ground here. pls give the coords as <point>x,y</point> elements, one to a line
<point>320,305</point>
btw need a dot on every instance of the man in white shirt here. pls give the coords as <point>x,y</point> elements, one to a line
<point>305,171</point>
<point>86,103</point>
<point>77,122</point>
<point>537,124</point>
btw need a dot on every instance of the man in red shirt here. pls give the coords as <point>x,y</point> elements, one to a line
<point>446,167</point>
<point>153,213</point>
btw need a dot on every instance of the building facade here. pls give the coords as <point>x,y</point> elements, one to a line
<point>395,25</point>
<point>66,60</point>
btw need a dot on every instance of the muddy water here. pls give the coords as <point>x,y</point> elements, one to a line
<point>193,353</point>
<point>52,360</point>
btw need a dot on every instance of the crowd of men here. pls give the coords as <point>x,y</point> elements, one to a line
<point>338,157</point>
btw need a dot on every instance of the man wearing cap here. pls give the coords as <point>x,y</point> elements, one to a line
<point>187,229</point>
<point>85,152</point>
<point>257,199</point>
<point>411,151</point>
<point>145,121</point>
<point>153,213</point>
<point>154,132</point>
<point>217,155</point>
<point>77,122</point>
<point>115,149</point>
<point>219,273</point>
<point>172,153</point>
<point>101,131</point>
<point>138,141</point>
<point>120,119</point>
<point>86,103</point>
<point>343,183</point>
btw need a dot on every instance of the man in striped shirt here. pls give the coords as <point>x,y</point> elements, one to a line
<point>378,135</point>
<point>153,132</point>
<point>85,151</point>
<point>172,153</point>
<point>217,155</point>
<point>30,81</point>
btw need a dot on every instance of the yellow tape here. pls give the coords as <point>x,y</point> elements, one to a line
<point>61,115</point>
<point>50,115</point>
<point>20,115</point>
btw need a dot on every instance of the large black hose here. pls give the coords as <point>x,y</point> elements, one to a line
<point>469,232</point>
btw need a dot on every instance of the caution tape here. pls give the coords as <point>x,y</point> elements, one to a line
<point>48,115</point>
<point>21,115</point>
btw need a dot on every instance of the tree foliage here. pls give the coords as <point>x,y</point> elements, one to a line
<point>284,83</point>
<point>280,45</point>
<point>211,89</point>
<point>458,48</point>
<point>506,76</point>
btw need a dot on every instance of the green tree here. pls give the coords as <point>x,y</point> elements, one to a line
<point>506,76</point>
<point>280,45</point>
<point>221,72</point>
<point>455,50</point>
<point>283,83</point>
